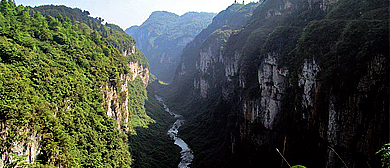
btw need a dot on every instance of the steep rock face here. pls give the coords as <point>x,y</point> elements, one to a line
<point>119,109</point>
<point>233,18</point>
<point>231,65</point>
<point>338,112</point>
<point>129,51</point>
<point>163,36</point>
<point>210,59</point>
<point>323,4</point>
<point>295,78</point>
<point>29,147</point>
<point>308,80</point>
<point>349,123</point>
<point>272,84</point>
<point>138,70</point>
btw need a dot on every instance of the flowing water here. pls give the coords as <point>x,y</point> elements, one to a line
<point>186,153</point>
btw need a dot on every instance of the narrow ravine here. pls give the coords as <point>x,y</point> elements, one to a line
<point>186,152</point>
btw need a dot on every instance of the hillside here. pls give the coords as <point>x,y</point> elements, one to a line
<point>163,36</point>
<point>68,91</point>
<point>307,77</point>
<point>111,32</point>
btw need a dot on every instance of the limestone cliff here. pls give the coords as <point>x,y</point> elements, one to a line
<point>29,147</point>
<point>308,80</point>
<point>296,78</point>
<point>210,60</point>
<point>116,107</point>
<point>272,85</point>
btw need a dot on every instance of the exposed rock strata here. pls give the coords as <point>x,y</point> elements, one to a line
<point>115,108</point>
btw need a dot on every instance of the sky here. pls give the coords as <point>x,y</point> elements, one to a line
<point>126,13</point>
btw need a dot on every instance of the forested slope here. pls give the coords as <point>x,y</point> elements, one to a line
<point>67,95</point>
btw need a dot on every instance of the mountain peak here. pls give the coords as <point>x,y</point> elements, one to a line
<point>162,13</point>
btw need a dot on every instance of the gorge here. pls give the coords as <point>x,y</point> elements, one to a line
<point>308,77</point>
<point>186,153</point>
<point>305,79</point>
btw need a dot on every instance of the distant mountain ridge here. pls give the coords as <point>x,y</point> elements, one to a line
<point>163,36</point>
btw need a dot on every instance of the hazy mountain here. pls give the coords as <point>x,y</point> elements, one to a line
<point>163,36</point>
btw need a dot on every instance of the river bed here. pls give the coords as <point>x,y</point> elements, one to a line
<point>186,152</point>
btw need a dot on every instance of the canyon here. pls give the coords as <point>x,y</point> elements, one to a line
<point>293,77</point>
<point>305,79</point>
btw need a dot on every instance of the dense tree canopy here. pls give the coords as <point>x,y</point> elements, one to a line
<point>52,73</point>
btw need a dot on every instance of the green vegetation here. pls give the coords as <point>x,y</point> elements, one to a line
<point>52,74</point>
<point>385,155</point>
<point>208,124</point>
<point>138,57</point>
<point>152,147</point>
<point>111,32</point>
<point>162,82</point>
<point>136,105</point>
<point>173,26</point>
<point>298,166</point>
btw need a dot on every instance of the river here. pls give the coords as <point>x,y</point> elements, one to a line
<point>186,152</point>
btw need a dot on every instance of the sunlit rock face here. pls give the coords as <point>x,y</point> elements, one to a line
<point>119,110</point>
<point>29,147</point>
<point>210,60</point>
<point>129,51</point>
<point>308,80</point>
<point>271,82</point>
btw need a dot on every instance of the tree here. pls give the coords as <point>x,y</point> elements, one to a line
<point>385,154</point>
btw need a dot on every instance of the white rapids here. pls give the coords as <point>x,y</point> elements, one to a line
<point>186,152</point>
